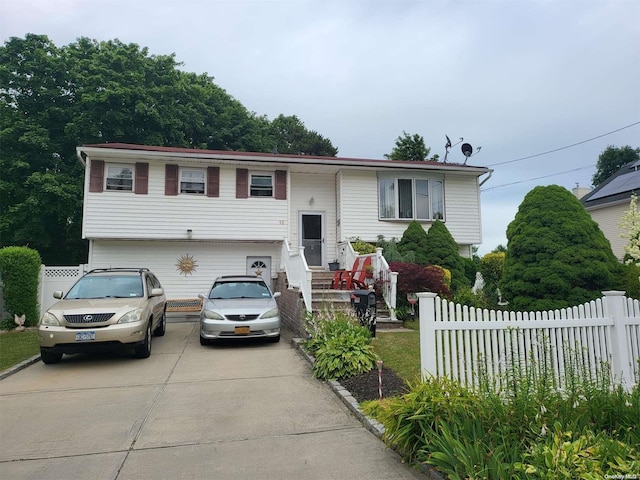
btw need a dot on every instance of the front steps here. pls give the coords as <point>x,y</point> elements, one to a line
<point>324,297</point>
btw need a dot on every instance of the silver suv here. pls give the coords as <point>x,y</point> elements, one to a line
<point>106,308</point>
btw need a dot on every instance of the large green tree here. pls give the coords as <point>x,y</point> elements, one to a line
<point>557,255</point>
<point>53,99</point>
<point>289,135</point>
<point>411,148</point>
<point>611,160</point>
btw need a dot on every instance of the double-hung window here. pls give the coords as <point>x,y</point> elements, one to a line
<point>410,198</point>
<point>261,185</point>
<point>119,177</point>
<point>192,180</point>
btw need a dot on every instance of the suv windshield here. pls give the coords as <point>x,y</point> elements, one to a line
<point>106,286</point>
<point>228,290</point>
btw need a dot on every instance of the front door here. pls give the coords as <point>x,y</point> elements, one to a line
<point>312,237</point>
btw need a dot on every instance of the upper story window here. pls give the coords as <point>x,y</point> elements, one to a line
<point>261,185</point>
<point>119,177</point>
<point>192,181</point>
<point>410,198</point>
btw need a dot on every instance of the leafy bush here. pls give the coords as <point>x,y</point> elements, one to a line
<point>442,249</point>
<point>631,280</point>
<point>520,426</point>
<point>346,355</point>
<point>362,247</point>
<point>340,345</point>
<point>20,270</point>
<point>414,278</point>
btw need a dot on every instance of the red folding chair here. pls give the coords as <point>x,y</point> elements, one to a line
<point>354,278</point>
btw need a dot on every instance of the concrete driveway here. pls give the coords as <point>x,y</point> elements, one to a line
<point>248,411</point>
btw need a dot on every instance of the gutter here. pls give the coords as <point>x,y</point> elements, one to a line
<point>490,172</point>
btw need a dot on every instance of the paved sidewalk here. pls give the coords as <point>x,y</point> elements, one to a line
<point>238,411</point>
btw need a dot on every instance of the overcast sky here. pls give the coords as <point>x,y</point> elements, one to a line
<point>518,78</point>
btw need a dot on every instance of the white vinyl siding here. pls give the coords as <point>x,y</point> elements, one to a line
<point>159,216</point>
<point>212,259</point>
<point>608,219</point>
<point>359,208</point>
<point>320,188</point>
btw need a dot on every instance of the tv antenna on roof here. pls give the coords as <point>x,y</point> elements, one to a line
<point>448,146</point>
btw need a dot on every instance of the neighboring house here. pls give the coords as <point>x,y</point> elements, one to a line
<point>608,202</point>
<point>191,215</point>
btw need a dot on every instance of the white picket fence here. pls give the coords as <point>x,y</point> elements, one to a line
<point>466,344</point>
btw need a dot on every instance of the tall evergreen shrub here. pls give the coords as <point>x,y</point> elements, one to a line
<point>557,255</point>
<point>20,270</point>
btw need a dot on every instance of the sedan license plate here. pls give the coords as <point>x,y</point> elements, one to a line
<point>242,330</point>
<point>85,336</point>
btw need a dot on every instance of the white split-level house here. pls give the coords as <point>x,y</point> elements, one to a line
<point>191,215</point>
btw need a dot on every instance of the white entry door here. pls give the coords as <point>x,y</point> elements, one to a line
<point>260,266</point>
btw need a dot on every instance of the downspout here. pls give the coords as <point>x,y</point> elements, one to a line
<point>485,180</point>
<point>81,157</point>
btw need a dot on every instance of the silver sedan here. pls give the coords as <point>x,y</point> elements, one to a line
<point>239,307</point>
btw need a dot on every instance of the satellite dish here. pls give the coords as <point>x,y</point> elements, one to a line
<point>467,150</point>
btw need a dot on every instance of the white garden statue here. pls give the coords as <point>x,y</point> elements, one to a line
<point>19,321</point>
<point>478,284</point>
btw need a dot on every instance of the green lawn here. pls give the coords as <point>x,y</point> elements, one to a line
<point>16,347</point>
<point>400,351</point>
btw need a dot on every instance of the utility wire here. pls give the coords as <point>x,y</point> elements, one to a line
<point>537,178</point>
<point>563,148</point>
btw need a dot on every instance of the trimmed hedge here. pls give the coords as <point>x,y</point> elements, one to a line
<point>20,270</point>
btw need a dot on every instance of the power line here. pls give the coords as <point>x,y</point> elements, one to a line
<point>564,148</point>
<point>537,178</point>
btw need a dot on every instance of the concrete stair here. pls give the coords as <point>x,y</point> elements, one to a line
<point>324,297</point>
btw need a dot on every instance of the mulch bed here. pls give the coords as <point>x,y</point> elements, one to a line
<point>365,386</point>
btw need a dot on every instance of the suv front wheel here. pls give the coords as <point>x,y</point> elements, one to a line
<point>48,357</point>
<point>143,349</point>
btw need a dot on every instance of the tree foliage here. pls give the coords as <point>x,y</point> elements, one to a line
<point>557,255</point>
<point>410,147</point>
<point>290,136</point>
<point>53,99</point>
<point>611,160</point>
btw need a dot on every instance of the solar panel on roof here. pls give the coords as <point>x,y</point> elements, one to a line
<point>620,184</point>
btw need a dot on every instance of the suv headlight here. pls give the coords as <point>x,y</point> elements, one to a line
<point>211,315</point>
<point>271,313</point>
<point>49,319</point>
<point>132,316</point>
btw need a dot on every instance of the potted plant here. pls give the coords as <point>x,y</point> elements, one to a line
<point>368,271</point>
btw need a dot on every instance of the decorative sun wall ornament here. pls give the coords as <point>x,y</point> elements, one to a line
<point>187,264</point>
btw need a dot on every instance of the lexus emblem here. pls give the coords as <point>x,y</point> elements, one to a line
<point>87,318</point>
